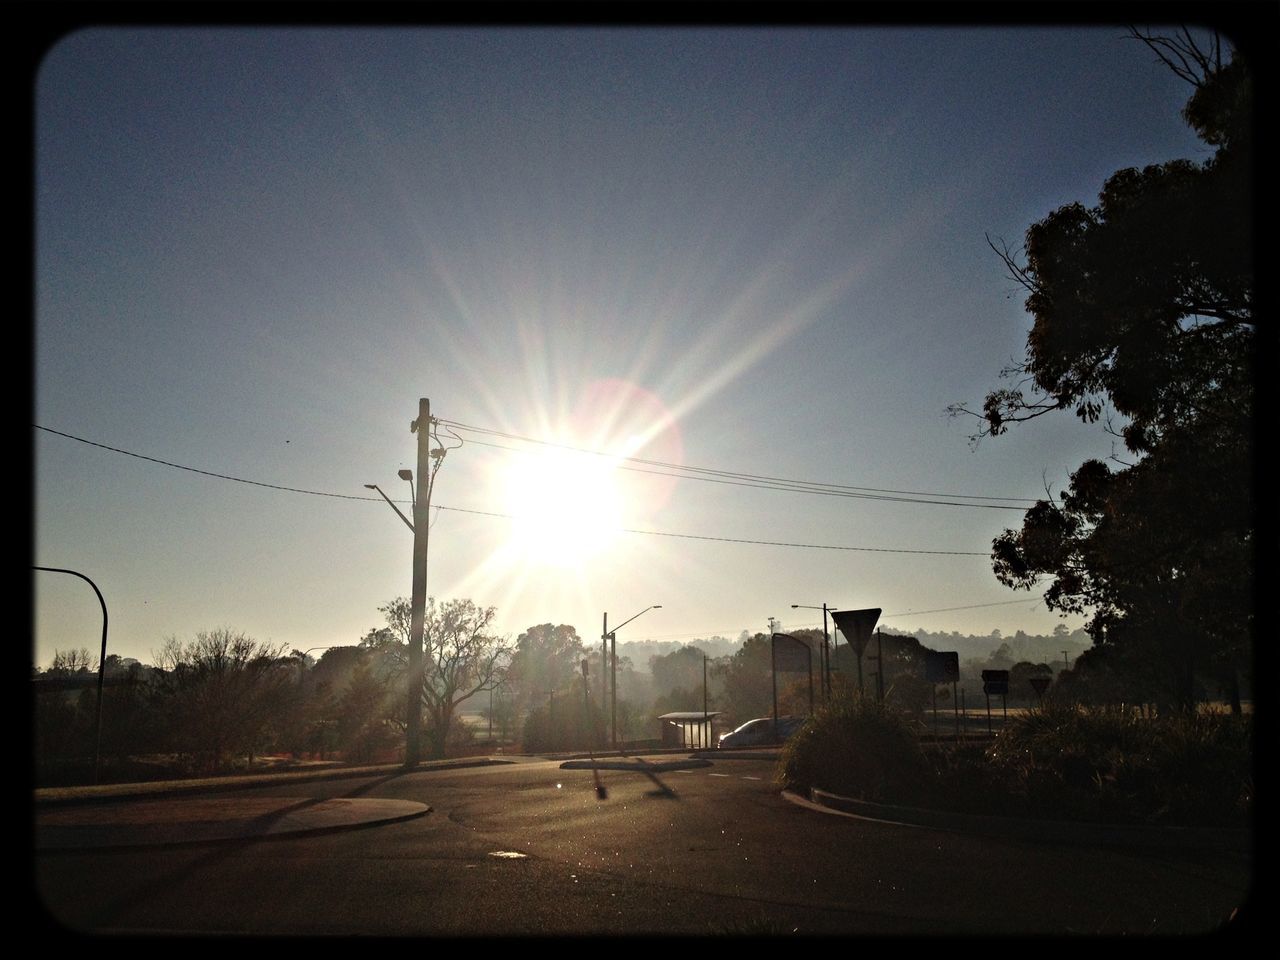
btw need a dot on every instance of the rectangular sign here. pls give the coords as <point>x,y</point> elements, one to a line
<point>790,653</point>
<point>995,682</point>
<point>941,667</point>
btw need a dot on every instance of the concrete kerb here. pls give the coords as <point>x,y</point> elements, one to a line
<point>630,763</point>
<point>1106,834</point>
<point>105,793</point>
<point>164,813</point>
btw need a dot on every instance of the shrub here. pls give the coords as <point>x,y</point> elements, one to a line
<point>857,748</point>
<point>1061,763</point>
<point>1119,767</point>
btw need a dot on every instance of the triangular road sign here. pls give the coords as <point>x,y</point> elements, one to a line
<point>856,625</point>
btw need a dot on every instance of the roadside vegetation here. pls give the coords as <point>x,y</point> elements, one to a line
<point>1066,762</point>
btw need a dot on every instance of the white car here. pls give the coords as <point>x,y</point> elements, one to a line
<point>760,732</point>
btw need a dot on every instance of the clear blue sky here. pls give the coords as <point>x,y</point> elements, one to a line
<point>759,251</point>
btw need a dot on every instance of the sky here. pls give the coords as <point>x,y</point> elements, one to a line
<point>632,269</point>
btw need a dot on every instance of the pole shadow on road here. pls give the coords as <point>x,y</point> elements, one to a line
<point>662,789</point>
<point>374,784</point>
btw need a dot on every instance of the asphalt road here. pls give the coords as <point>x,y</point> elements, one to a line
<point>530,849</point>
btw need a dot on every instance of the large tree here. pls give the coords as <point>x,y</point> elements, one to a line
<point>546,658</point>
<point>222,694</point>
<point>461,656</point>
<point>1142,312</point>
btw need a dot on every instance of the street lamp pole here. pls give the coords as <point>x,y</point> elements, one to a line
<point>102,665</point>
<point>374,486</point>
<point>826,645</point>
<point>610,640</point>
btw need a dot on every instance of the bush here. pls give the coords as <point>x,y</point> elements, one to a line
<point>1069,763</point>
<point>1061,763</point>
<point>857,748</point>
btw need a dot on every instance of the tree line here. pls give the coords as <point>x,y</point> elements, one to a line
<point>223,701</point>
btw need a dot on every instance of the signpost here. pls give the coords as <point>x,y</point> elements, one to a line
<point>996,682</point>
<point>1040,685</point>
<point>943,667</point>
<point>856,625</point>
<point>792,660</point>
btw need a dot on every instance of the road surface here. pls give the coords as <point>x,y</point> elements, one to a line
<point>529,849</point>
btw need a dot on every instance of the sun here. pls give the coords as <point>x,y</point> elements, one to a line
<point>566,507</point>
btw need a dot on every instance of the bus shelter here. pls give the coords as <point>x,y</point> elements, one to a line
<point>690,728</point>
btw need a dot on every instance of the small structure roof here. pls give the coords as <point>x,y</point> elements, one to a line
<point>689,715</point>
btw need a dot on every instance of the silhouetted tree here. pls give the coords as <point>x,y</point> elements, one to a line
<point>545,657</point>
<point>461,657</point>
<point>679,670</point>
<point>220,694</point>
<point>1143,305</point>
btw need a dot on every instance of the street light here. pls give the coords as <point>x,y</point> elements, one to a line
<point>607,638</point>
<point>374,486</point>
<point>408,476</point>
<point>102,666</point>
<point>826,648</point>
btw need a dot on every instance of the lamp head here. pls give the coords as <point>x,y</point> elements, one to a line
<point>371,486</point>
<point>406,475</point>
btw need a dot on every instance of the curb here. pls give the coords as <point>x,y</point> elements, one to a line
<point>48,796</point>
<point>636,764</point>
<point>170,822</point>
<point>1062,831</point>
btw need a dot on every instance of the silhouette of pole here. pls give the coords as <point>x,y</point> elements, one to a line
<point>612,636</point>
<point>880,664</point>
<point>418,603</point>
<point>102,665</point>
<point>827,647</point>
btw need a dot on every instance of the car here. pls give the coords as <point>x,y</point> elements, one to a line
<point>760,732</point>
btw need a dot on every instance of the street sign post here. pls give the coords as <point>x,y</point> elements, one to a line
<point>996,682</point>
<point>1040,685</point>
<point>856,625</point>
<point>795,655</point>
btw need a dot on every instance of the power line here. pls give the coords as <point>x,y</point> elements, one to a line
<point>972,606</point>
<point>748,479</point>
<point>506,516</point>
<point>206,473</point>
<point>763,484</point>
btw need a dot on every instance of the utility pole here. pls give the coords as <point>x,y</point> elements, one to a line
<point>604,659</point>
<point>421,530</point>
<point>826,656</point>
<point>880,664</point>
<point>613,685</point>
<point>704,701</point>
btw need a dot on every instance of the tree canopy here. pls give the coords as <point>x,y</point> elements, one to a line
<point>461,656</point>
<point>546,658</point>
<point>1142,311</point>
